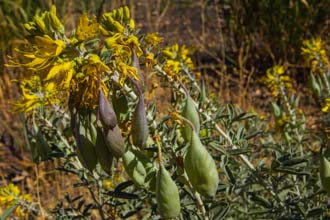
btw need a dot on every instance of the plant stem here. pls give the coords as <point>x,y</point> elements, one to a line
<point>199,201</point>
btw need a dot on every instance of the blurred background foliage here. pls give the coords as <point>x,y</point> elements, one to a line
<point>235,41</point>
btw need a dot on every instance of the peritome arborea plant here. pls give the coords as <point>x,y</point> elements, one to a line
<point>88,100</point>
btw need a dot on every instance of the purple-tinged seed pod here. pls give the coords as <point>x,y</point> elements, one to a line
<point>107,114</point>
<point>114,141</point>
<point>139,128</point>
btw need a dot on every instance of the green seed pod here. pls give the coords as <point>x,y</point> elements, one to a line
<point>103,154</point>
<point>167,195</point>
<point>325,173</point>
<point>139,128</point>
<point>86,152</point>
<point>134,168</point>
<point>201,169</point>
<point>107,114</point>
<point>139,167</point>
<point>114,141</point>
<point>190,112</point>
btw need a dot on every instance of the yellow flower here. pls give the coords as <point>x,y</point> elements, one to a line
<point>315,54</point>
<point>150,60</point>
<point>172,68</point>
<point>153,39</point>
<point>10,195</point>
<point>275,80</point>
<point>184,52</point>
<point>35,95</point>
<point>62,73</point>
<point>108,184</point>
<point>45,49</point>
<point>171,52</point>
<point>326,107</point>
<point>133,42</point>
<point>126,71</point>
<point>87,28</point>
<point>46,24</point>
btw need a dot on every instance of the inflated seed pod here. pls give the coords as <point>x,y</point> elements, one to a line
<point>139,168</point>
<point>201,169</point>
<point>325,173</point>
<point>107,114</point>
<point>167,195</point>
<point>114,141</point>
<point>139,127</point>
<point>134,168</point>
<point>103,154</point>
<point>190,112</point>
<point>86,152</point>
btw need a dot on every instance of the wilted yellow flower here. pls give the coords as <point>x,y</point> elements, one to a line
<point>326,107</point>
<point>153,39</point>
<point>87,28</point>
<point>86,84</point>
<point>275,80</point>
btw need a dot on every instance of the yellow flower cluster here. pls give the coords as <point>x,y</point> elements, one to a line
<point>61,67</point>
<point>315,55</point>
<point>176,60</point>
<point>276,80</point>
<point>10,196</point>
<point>118,26</point>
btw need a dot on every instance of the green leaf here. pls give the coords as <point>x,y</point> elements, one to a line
<point>8,212</point>
<point>243,116</point>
